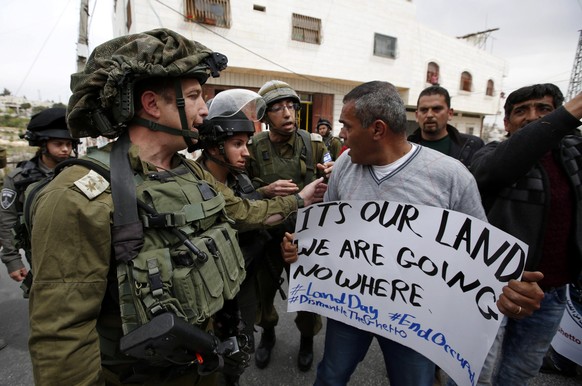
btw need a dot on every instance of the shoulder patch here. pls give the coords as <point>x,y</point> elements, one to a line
<point>8,198</point>
<point>316,137</point>
<point>92,184</point>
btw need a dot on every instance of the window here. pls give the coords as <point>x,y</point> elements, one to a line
<point>306,29</point>
<point>385,46</point>
<point>211,12</point>
<point>466,81</point>
<point>490,88</point>
<point>432,73</point>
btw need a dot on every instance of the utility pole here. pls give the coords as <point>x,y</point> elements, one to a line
<point>83,41</point>
<point>575,85</point>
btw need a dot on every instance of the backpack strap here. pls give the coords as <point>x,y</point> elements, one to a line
<point>127,232</point>
<point>307,155</point>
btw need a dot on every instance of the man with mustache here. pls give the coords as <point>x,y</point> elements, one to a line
<point>531,188</point>
<point>433,112</point>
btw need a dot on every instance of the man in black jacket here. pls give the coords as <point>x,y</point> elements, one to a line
<point>433,112</point>
<point>531,185</point>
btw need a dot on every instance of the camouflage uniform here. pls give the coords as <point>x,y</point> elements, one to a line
<point>75,308</point>
<point>269,162</point>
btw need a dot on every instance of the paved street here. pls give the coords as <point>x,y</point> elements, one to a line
<point>15,369</point>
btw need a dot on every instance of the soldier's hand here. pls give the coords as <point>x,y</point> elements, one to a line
<point>280,188</point>
<point>521,298</point>
<point>288,248</point>
<point>326,168</point>
<point>313,192</point>
<point>19,275</point>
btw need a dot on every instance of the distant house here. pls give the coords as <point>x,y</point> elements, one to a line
<point>324,48</point>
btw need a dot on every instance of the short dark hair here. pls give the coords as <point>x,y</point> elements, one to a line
<point>435,90</point>
<point>160,85</point>
<point>536,91</point>
<point>378,100</point>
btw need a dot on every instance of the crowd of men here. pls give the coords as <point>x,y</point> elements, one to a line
<point>159,267</point>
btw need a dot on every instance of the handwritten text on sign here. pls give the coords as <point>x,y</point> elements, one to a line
<point>423,276</point>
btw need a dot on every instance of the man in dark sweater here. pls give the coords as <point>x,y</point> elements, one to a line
<point>531,185</point>
<point>433,112</point>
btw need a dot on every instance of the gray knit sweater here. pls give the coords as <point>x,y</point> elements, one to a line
<point>426,178</point>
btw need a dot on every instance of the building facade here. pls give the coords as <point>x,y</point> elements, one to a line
<point>325,48</point>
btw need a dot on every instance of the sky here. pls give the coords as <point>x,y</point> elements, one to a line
<point>538,38</point>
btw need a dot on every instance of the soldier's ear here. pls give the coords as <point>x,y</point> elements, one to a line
<point>149,102</point>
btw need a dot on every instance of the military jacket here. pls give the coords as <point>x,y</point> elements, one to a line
<point>270,161</point>
<point>15,185</point>
<point>72,259</point>
<point>334,145</point>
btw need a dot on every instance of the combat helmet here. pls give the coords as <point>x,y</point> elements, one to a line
<point>231,112</point>
<point>102,100</point>
<point>47,124</point>
<point>276,90</point>
<point>323,121</point>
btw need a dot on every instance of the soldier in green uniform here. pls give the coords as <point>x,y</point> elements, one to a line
<point>333,144</point>
<point>283,160</point>
<point>47,130</point>
<point>132,249</point>
<point>232,115</point>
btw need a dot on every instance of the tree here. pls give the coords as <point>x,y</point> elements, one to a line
<point>25,106</point>
<point>59,104</point>
<point>6,92</point>
<point>38,109</point>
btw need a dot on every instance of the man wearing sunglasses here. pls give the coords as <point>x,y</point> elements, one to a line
<point>282,161</point>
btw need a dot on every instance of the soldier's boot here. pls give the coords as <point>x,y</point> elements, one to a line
<point>305,357</point>
<point>263,352</point>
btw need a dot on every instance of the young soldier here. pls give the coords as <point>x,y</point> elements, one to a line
<point>283,160</point>
<point>47,130</point>
<point>333,144</point>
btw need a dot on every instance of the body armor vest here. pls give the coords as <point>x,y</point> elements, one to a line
<point>190,261</point>
<point>298,168</point>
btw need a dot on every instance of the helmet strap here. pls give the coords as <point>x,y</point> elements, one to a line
<point>222,163</point>
<point>181,104</point>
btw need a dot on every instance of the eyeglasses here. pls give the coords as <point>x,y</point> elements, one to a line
<point>289,106</point>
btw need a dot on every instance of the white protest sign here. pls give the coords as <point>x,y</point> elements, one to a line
<point>425,277</point>
<point>568,340</point>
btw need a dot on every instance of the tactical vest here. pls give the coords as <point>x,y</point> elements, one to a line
<point>27,173</point>
<point>298,168</point>
<point>190,261</point>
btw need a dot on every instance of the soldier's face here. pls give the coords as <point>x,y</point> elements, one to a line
<point>323,130</point>
<point>194,106</point>
<point>236,151</point>
<point>283,119</point>
<point>59,148</point>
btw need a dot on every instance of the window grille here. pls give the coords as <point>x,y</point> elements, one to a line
<point>306,29</point>
<point>211,12</point>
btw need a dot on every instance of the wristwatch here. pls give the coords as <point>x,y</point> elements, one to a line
<point>300,202</point>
